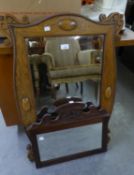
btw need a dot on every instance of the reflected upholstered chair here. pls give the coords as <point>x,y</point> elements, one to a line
<point>39,74</point>
<point>67,63</point>
<point>35,60</point>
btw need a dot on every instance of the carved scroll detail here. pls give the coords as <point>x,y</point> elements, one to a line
<point>30,153</point>
<point>9,19</point>
<point>69,113</point>
<point>113,18</point>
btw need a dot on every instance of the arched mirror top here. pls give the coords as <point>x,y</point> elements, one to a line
<point>63,24</point>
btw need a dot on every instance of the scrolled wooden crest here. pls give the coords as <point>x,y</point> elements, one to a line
<point>10,19</point>
<point>114,18</point>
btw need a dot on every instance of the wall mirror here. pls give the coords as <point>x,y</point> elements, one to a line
<point>64,72</point>
<point>83,136</point>
<point>67,144</point>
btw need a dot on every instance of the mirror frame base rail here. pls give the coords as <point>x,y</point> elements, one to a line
<point>68,115</point>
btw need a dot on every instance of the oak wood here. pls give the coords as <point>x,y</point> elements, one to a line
<point>7,98</point>
<point>8,105</point>
<point>126,39</point>
<point>115,18</point>
<point>6,60</point>
<point>6,50</point>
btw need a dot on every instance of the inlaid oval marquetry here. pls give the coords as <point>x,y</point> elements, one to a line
<point>108,92</point>
<point>67,24</point>
<point>26,104</point>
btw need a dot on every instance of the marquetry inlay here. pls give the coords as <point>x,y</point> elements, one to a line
<point>67,24</point>
<point>26,104</point>
<point>108,92</point>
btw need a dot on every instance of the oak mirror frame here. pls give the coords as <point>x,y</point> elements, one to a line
<point>63,25</point>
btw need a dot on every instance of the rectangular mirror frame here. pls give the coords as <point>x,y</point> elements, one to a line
<point>35,129</point>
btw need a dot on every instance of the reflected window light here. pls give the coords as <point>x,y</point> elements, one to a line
<point>71,102</point>
<point>30,43</point>
<point>64,46</point>
<point>39,1</point>
<point>41,138</point>
<point>76,37</point>
<point>33,43</point>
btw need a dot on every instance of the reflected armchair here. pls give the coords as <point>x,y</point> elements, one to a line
<point>34,62</point>
<point>67,63</point>
<point>39,74</point>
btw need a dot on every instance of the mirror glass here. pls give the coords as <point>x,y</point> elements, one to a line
<point>65,66</point>
<point>69,141</point>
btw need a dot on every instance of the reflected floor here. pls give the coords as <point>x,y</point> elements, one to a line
<point>90,93</point>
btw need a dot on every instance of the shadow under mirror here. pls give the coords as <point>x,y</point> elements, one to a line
<point>65,66</point>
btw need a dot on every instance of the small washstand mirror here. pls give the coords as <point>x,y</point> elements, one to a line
<point>64,71</point>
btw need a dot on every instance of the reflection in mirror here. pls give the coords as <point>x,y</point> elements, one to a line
<point>69,141</point>
<point>65,66</point>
